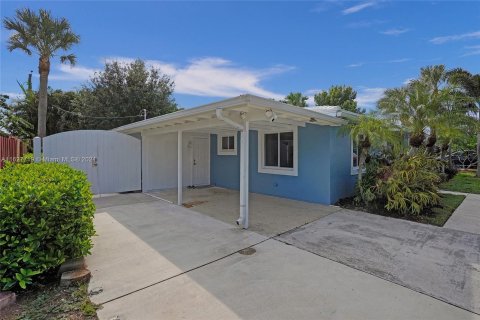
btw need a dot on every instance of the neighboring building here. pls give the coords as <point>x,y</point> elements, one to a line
<point>291,152</point>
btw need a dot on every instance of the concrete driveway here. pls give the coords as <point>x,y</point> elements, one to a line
<point>154,260</point>
<point>439,262</point>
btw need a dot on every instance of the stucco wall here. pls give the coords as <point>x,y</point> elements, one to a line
<point>323,168</point>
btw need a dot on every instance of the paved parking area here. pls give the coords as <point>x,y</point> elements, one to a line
<point>155,260</point>
<point>440,262</point>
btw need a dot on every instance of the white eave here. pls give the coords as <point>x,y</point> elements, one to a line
<point>244,107</point>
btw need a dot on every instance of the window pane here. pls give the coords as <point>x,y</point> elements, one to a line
<point>271,149</point>
<point>224,143</point>
<point>354,153</point>
<point>286,149</point>
<point>231,143</point>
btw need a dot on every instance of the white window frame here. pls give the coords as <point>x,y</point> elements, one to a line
<point>354,170</point>
<point>226,152</point>
<point>277,170</point>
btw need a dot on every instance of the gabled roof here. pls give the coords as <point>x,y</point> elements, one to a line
<point>247,106</point>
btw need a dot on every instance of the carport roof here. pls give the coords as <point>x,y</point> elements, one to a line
<point>244,107</point>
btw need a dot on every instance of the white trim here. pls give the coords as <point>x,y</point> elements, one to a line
<point>227,152</point>
<point>353,170</point>
<point>277,170</point>
<point>244,101</point>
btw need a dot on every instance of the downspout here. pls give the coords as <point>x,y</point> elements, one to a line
<point>243,217</point>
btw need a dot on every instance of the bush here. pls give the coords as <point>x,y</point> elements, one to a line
<point>409,185</point>
<point>46,217</point>
<point>366,187</point>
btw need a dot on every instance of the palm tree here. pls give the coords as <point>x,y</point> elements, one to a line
<point>296,99</point>
<point>371,131</point>
<point>409,106</point>
<point>43,35</point>
<point>470,85</point>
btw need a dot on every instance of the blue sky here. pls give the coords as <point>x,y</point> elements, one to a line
<point>215,50</point>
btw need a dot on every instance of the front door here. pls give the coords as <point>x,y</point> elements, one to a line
<point>201,161</point>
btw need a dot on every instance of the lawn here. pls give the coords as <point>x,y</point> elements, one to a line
<point>51,301</point>
<point>464,181</point>
<point>437,216</point>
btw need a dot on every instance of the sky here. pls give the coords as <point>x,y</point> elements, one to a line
<point>216,50</point>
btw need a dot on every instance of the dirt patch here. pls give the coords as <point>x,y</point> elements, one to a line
<point>53,302</point>
<point>192,204</point>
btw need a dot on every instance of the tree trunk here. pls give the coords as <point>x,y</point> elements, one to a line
<point>478,155</point>
<point>43,70</point>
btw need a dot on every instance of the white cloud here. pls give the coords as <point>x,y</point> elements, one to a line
<point>72,73</point>
<point>361,64</point>
<point>398,60</point>
<point>407,81</point>
<point>456,37</point>
<point>13,95</point>
<point>395,31</point>
<point>358,7</point>
<point>355,65</point>
<point>368,97</point>
<point>216,77</point>
<point>472,51</point>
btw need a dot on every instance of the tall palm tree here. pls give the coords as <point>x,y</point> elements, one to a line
<point>470,85</point>
<point>43,35</point>
<point>296,99</point>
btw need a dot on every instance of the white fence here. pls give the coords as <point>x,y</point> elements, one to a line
<point>111,160</point>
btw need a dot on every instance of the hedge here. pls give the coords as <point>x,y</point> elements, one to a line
<point>46,217</point>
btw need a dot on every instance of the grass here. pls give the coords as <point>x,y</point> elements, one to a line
<point>436,216</point>
<point>52,302</point>
<point>464,181</point>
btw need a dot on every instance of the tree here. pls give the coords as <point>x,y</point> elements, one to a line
<point>470,85</point>
<point>427,105</point>
<point>342,96</point>
<point>296,99</point>
<point>11,123</point>
<point>43,35</point>
<point>371,131</point>
<point>117,95</point>
<point>20,116</point>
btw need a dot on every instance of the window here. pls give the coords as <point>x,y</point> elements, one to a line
<point>355,154</point>
<point>277,153</point>
<point>227,144</point>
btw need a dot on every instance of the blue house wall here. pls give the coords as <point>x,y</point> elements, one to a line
<point>323,167</point>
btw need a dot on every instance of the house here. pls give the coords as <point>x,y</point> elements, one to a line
<point>251,144</point>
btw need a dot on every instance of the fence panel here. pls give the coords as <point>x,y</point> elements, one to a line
<point>11,149</point>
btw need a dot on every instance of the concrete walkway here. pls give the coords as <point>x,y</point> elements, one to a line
<point>467,216</point>
<point>154,260</point>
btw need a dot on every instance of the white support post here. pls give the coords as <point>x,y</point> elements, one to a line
<point>37,149</point>
<point>179,169</point>
<point>244,155</point>
<point>246,183</point>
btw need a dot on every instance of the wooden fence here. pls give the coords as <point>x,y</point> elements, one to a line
<point>11,149</point>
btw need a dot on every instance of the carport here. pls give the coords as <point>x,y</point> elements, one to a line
<point>269,216</point>
<point>176,147</point>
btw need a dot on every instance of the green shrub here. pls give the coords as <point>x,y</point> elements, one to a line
<point>46,217</point>
<point>409,185</point>
<point>366,187</point>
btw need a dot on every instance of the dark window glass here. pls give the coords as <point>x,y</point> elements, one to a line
<point>286,149</point>
<point>231,143</point>
<point>224,143</point>
<point>271,150</point>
